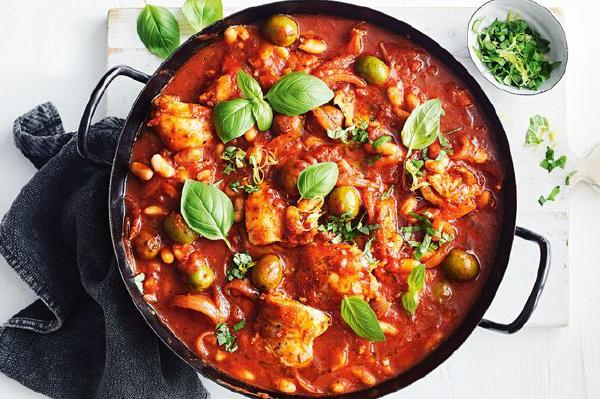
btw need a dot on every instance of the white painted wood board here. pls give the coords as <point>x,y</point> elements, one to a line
<point>552,220</point>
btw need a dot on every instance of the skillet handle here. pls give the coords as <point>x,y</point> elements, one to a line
<point>538,286</point>
<point>90,109</point>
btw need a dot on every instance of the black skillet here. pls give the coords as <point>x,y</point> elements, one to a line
<point>139,113</point>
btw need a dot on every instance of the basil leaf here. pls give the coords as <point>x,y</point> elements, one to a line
<point>362,320</point>
<point>201,13</point>
<point>232,118</point>
<point>207,210</point>
<point>249,86</point>
<point>263,114</point>
<point>423,125</point>
<point>158,30</point>
<point>297,93</point>
<point>416,283</point>
<point>318,180</point>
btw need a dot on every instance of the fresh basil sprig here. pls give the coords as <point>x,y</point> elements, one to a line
<point>201,13</point>
<point>416,283</point>
<point>207,210</point>
<point>423,125</point>
<point>357,313</point>
<point>297,93</point>
<point>318,180</point>
<point>158,30</point>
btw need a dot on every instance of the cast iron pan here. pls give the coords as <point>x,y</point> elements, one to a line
<point>139,113</point>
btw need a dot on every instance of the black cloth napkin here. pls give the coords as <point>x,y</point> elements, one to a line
<point>83,337</point>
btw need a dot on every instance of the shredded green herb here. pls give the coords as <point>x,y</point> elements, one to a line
<point>539,126</point>
<point>426,244</point>
<point>514,53</point>
<point>367,252</point>
<point>346,230</point>
<point>551,197</point>
<point>568,178</point>
<point>356,133</point>
<point>549,163</point>
<point>248,188</point>
<point>387,193</point>
<point>378,142</point>
<point>235,158</point>
<point>413,169</point>
<point>239,325</point>
<point>225,338</point>
<point>240,263</point>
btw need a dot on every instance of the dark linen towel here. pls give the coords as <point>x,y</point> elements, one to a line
<point>83,337</point>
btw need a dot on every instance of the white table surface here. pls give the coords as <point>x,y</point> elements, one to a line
<point>55,51</point>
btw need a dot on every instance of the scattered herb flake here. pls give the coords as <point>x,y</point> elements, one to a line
<point>240,263</point>
<point>248,188</point>
<point>225,338</point>
<point>379,141</point>
<point>539,126</point>
<point>549,163</point>
<point>551,197</point>
<point>235,158</point>
<point>568,178</point>
<point>239,325</point>
<point>346,230</point>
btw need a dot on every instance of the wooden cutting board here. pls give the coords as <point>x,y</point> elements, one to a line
<point>447,25</point>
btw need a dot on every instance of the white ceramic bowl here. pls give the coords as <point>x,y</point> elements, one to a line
<point>540,19</point>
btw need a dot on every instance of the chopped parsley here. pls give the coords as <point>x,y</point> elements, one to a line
<point>225,338</point>
<point>551,197</point>
<point>239,325</point>
<point>346,230</point>
<point>426,244</point>
<point>373,159</point>
<point>354,133</point>
<point>240,263</point>
<point>235,158</point>
<point>549,163</point>
<point>379,141</point>
<point>248,188</point>
<point>514,53</point>
<point>539,126</point>
<point>367,252</point>
<point>413,169</point>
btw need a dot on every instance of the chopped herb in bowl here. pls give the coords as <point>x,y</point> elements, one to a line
<point>513,52</point>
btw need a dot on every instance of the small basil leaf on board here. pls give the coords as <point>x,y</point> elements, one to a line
<point>423,125</point>
<point>201,13</point>
<point>158,30</point>
<point>297,93</point>
<point>416,283</point>
<point>318,180</point>
<point>362,320</point>
<point>249,86</point>
<point>207,210</point>
<point>232,118</point>
<point>263,114</point>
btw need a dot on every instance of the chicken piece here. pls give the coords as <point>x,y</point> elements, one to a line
<point>181,125</point>
<point>327,117</point>
<point>265,216</point>
<point>331,271</point>
<point>356,44</point>
<point>345,100</point>
<point>289,328</point>
<point>388,241</point>
<point>302,221</point>
<point>456,191</point>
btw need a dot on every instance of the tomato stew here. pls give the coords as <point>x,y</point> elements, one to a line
<point>409,230</point>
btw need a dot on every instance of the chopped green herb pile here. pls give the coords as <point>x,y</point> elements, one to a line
<point>551,197</point>
<point>426,244</point>
<point>248,188</point>
<point>240,263</point>
<point>549,163</point>
<point>225,338</point>
<point>356,133</point>
<point>346,230</point>
<point>514,53</point>
<point>235,158</point>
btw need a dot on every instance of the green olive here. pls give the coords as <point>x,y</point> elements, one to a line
<point>289,175</point>
<point>203,277</point>
<point>344,200</point>
<point>147,244</point>
<point>178,230</point>
<point>267,273</point>
<point>460,265</point>
<point>442,291</point>
<point>375,71</point>
<point>281,30</point>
